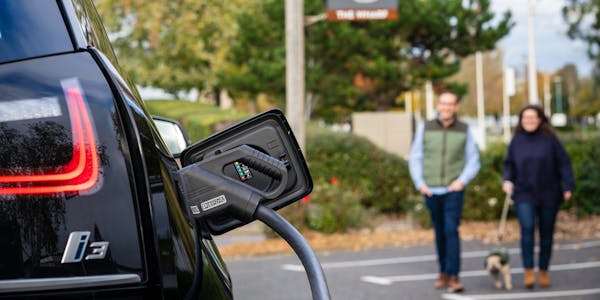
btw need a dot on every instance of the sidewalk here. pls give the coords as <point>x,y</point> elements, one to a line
<point>254,232</point>
<point>250,233</point>
<point>249,240</point>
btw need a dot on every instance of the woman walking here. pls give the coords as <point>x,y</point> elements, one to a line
<point>538,174</point>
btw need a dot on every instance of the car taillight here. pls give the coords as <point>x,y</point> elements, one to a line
<point>80,173</point>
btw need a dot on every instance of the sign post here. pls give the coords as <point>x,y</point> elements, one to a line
<point>294,69</point>
<point>480,101</point>
<point>507,91</point>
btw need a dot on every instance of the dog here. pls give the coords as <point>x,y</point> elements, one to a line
<point>497,263</point>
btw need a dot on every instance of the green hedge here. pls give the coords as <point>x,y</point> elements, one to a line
<point>383,178</point>
<point>381,181</point>
<point>484,196</point>
<point>335,208</point>
<point>197,118</point>
<point>331,207</point>
<point>585,156</point>
<point>485,190</point>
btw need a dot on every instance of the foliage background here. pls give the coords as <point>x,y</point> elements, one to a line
<point>354,66</point>
<point>239,45</point>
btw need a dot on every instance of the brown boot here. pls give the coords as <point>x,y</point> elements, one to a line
<point>442,281</point>
<point>529,279</point>
<point>454,285</point>
<point>544,280</point>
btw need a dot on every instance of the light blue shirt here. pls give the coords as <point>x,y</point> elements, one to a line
<point>415,161</point>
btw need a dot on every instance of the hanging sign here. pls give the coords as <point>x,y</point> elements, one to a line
<point>362,10</point>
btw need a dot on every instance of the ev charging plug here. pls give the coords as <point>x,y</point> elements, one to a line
<point>209,192</point>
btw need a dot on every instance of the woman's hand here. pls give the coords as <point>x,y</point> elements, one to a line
<point>507,187</point>
<point>567,195</point>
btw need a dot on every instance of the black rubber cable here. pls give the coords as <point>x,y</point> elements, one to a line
<point>316,277</point>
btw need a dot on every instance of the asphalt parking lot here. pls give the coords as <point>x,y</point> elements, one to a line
<point>408,273</point>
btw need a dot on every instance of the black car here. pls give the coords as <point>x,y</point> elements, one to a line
<point>94,201</point>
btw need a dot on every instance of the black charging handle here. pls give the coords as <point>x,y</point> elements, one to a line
<point>254,159</point>
<point>208,192</point>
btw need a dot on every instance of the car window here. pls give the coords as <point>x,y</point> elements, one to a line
<point>31,29</point>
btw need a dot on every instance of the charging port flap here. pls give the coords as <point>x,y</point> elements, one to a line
<point>259,155</point>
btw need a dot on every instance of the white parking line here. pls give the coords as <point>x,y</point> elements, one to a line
<point>422,258</point>
<point>388,280</point>
<point>529,295</point>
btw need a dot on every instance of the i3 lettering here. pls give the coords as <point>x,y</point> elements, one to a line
<point>77,245</point>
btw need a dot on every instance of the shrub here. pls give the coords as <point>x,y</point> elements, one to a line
<point>584,158</point>
<point>418,211</point>
<point>356,162</point>
<point>335,208</point>
<point>484,196</point>
<point>331,207</point>
<point>334,153</point>
<point>294,213</point>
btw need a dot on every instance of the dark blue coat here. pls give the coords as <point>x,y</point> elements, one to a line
<point>539,168</point>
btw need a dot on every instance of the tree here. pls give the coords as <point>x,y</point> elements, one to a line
<point>174,45</point>
<point>583,19</point>
<point>588,103</point>
<point>364,65</point>
<point>258,54</point>
<point>569,86</point>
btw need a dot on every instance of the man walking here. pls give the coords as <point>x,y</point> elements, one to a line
<point>443,159</point>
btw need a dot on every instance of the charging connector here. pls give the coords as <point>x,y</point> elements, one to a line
<point>209,193</point>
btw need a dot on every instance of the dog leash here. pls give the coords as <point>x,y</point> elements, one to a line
<point>507,200</point>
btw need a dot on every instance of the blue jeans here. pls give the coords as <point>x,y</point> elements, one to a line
<point>446,211</point>
<point>546,218</point>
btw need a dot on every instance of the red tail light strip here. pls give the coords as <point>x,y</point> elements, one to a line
<point>81,172</point>
<point>70,170</point>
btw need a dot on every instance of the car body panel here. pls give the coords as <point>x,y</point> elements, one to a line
<point>150,234</point>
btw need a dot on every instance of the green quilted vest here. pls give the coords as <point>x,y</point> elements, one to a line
<point>443,152</point>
